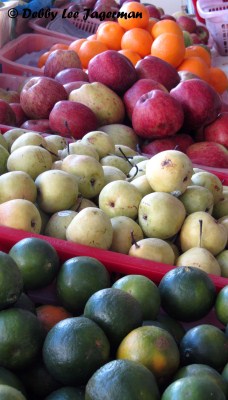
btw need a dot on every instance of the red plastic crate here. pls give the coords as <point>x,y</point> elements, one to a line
<point>25,44</point>
<point>11,82</point>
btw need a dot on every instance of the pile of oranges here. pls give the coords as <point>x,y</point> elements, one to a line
<point>137,38</point>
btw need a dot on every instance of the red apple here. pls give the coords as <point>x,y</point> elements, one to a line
<point>187,23</point>
<point>59,60</point>
<point>200,102</point>
<point>39,95</point>
<point>7,115</point>
<point>217,131</point>
<point>167,16</point>
<point>18,111</point>
<point>153,11</point>
<point>126,1</point>
<point>71,75</point>
<point>203,33</point>
<point>37,125</point>
<point>157,114</point>
<point>224,106</point>
<point>113,70</point>
<point>179,142</point>
<point>73,85</point>
<point>72,119</point>
<point>210,154</point>
<point>155,68</point>
<point>139,88</point>
<point>195,38</point>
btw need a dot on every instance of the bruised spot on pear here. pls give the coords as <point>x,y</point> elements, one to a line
<point>166,163</point>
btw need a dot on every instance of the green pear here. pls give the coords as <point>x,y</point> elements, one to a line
<point>31,159</point>
<point>52,148</point>
<point>222,259</point>
<point>58,223</point>
<point>80,148</point>
<point>101,141</point>
<point>138,169</point>
<point>121,134</point>
<point>57,190</point>
<point>224,222</point>
<point>17,185</point>
<point>88,171</point>
<point>221,208</point>
<point>209,181</point>
<point>197,198</point>
<point>4,155</point>
<point>137,159</point>
<point>175,249</point>
<point>59,141</point>
<point>91,227</point>
<point>113,174</point>
<point>117,162</point>
<point>142,184</point>
<point>161,215</point>
<point>120,198</point>
<point>82,203</point>
<point>121,150</point>
<point>104,102</point>
<point>195,170</point>
<point>20,214</point>
<point>3,141</point>
<point>124,230</point>
<point>153,249</point>
<point>200,229</point>
<point>200,258</point>
<point>169,171</point>
<point>13,134</point>
<point>28,138</point>
<point>56,164</point>
<point>44,218</point>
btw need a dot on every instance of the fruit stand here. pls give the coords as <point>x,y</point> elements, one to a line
<point>113,200</point>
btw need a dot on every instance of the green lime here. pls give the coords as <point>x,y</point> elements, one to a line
<point>10,393</point>
<point>11,282</point>
<point>67,393</point>
<point>221,305</point>
<point>8,378</point>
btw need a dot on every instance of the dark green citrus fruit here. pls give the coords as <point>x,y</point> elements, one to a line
<point>74,349</point>
<point>122,380</point>
<point>25,303</point>
<point>205,344</point>
<point>194,388</point>
<point>8,378</point>
<point>10,393</point>
<point>143,290</point>
<point>225,373</point>
<point>203,370</point>
<point>173,326</point>
<point>187,293</point>
<point>37,260</point>
<point>221,305</point>
<point>78,279</point>
<point>21,338</point>
<point>11,282</point>
<point>67,393</point>
<point>115,311</point>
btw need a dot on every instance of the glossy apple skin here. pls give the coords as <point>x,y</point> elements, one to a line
<point>179,142</point>
<point>73,85</point>
<point>19,113</point>
<point>71,75</point>
<point>217,131</point>
<point>210,154</point>
<point>150,118</point>
<point>59,60</point>
<point>38,125</point>
<point>72,119</point>
<point>7,115</point>
<point>187,23</point>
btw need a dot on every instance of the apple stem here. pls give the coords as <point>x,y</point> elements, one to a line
<point>201,231</point>
<point>176,147</point>
<point>69,132</point>
<point>133,241</point>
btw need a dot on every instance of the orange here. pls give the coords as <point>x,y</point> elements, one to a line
<point>89,49</point>
<point>43,58</point>
<point>218,79</point>
<point>131,55</point>
<point>150,25</point>
<point>133,15</point>
<point>92,37</point>
<point>110,34</point>
<point>195,65</point>
<point>138,40</point>
<point>170,48</point>
<point>61,46</point>
<point>49,315</point>
<point>198,51</point>
<point>76,44</point>
<point>166,26</point>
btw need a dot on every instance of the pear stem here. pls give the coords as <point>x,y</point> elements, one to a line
<point>128,160</point>
<point>201,231</point>
<point>133,241</point>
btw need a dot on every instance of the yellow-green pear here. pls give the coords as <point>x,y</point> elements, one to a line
<point>101,141</point>
<point>224,222</point>
<point>57,190</point>
<point>88,172</point>
<point>125,229</point>
<point>17,185</point>
<point>120,198</point>
<point>20,214</point>
<point>113,174</point>
<point>153,249</point>
<point>56,164</point>
<point>31,159</point>
<point>138,169</point>
<point>200,229</point>
<point>28,138</point>
<point>84,149</point>
<point>161,215</point>
<point>209,181</point>
<point>12,134</point>
<point>4,155</point>
<point>52,148</point>
<point>117,162</point>
<point>59,141</point>
<point>200,258</point>
<point>121,134</point>
<point>122,150</point>
<point>82,203</point>
<point>142,184</point>
<point>137,159</point>
<point>221,208</point>
<point>3,141</point>
<point>169,171</point>
<point>91,227</point>
<point>197,198</point>
<point>222,259</point>
<point>175,249</point>
<point>58,222</point>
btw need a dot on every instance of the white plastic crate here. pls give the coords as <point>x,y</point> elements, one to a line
<point>215,14</point>
<point>6,23</point>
